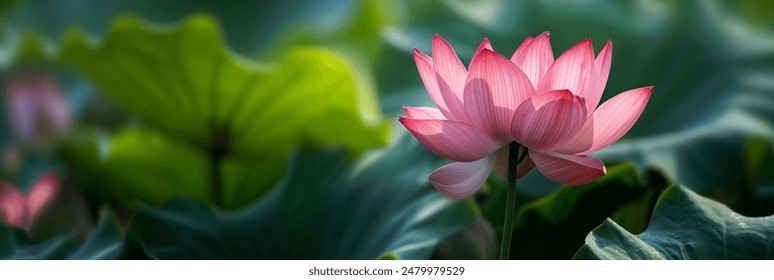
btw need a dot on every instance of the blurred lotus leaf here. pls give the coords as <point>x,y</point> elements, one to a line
<point>382,206</point>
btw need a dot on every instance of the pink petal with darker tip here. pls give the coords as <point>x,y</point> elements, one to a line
<point>451,139</point>
<point>485,45</point>
<point>461,179</point>
<point>548,120</point>
<point>568,169</point>
<point>616,116</point>
<point>598,80</point>
<point>427,73</point>
<point>535,59</point>
<point>571,70</point>
<point>494,89</point>
<point>451,75</point>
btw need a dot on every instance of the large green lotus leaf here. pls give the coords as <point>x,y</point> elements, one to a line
<point>713,72</point>
<point>685,225</point>
<point>325,208</point>
<point>104,242</point>
<point>141,164</point>
<point>186,83</point>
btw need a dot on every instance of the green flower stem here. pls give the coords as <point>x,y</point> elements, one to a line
<point>510,199</point>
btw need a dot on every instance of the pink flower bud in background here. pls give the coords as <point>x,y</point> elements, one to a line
<point>22,211</point>
<point>38,111</point>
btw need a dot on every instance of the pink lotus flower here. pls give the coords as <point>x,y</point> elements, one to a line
<point>20,211</point>
<point>543,104</point>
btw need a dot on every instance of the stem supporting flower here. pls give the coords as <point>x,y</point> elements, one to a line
<point>514,159</point>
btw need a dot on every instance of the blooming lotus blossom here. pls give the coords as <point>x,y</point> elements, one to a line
<point>22,211</point>
<point>547,105</point>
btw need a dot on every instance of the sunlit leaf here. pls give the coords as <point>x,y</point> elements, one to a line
<point>186,83</point>
<point>145,165</point>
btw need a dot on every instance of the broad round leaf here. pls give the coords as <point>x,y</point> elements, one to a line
<point>186,83</point>
<point>684,226</point>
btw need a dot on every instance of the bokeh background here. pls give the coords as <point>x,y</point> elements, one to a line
<point>268,129</point>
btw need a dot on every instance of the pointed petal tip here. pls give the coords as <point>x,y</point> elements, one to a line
<point>404,121</point>
<point>438,39</point>
<point>485,53</point>
<point>485,45</point>
<point>585,43</point>
<point>646,91</point>
<point>420,54</point>
<point>608,47</point>
<point>588,42</point>
<point>491,54</point>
